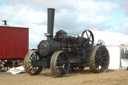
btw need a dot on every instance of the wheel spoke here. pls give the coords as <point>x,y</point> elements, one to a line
<point>30,68</point>
<point>87,34</point>
<point>90,41</point>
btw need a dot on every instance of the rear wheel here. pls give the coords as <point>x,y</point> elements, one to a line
<point>99,59</point>
<point>59,64</point>
<point>32,56</point>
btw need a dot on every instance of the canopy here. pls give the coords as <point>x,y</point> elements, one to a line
<point>110,38</point>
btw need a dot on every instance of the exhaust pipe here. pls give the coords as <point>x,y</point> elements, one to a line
<point>50,24</point>
<point>5,22</point>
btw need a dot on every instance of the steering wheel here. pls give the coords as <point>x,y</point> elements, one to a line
<point>87,39</point>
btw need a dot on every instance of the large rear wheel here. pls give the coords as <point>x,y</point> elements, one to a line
<point>59,64</point>
<point>99,59</point>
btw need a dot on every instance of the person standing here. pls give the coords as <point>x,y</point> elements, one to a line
<point>126,55</point>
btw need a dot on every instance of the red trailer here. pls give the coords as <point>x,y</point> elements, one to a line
<point>13,45</point>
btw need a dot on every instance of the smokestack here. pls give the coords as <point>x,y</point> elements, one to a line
<point>5,22</point>
<point>50,23</point>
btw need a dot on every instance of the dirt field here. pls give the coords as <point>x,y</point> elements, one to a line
<point>112,77</point>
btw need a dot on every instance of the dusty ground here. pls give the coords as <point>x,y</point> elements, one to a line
<point>85,77</point>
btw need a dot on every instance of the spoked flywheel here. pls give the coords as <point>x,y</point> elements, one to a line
<point>32,56</point>
<point>59,64</point>
<point>99,59</point>
<point>87,39</point>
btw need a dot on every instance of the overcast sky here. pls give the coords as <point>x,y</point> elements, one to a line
<point>74,15</point>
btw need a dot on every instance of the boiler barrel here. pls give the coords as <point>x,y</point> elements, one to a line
<point>46,48</point>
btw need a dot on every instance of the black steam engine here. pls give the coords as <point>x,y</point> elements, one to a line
<point>62,52</point>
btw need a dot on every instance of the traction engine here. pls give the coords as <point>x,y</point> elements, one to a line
<point>62,53</point>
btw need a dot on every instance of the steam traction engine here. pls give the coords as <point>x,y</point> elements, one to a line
<point>63,53</point>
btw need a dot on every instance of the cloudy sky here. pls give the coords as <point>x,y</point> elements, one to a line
<point>74,15</point>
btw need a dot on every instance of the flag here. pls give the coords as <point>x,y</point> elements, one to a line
<point>94,29</point>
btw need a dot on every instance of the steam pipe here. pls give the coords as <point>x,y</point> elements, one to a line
<point>50,23</point>
<point>5,22</point>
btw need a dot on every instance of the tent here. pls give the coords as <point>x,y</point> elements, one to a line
<point>117,45</point>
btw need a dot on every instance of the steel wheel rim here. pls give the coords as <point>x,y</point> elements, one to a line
<point>59,64</point>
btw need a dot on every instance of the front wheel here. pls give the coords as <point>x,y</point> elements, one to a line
<point>32,56</point>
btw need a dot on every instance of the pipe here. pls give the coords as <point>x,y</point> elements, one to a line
<point>50,23</point>
<point>5,22</point>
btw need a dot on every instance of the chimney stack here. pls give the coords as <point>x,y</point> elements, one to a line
<point>50,23</point>
<point>5,22</point>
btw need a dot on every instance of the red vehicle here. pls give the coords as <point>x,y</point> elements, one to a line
<point>13,45</point>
